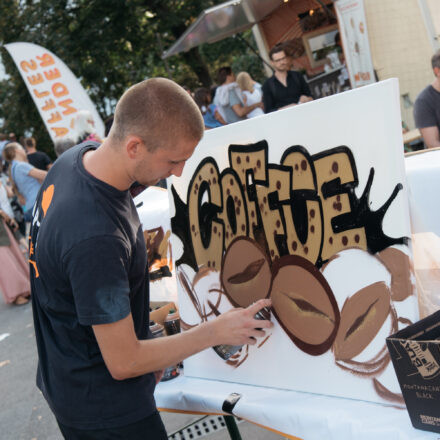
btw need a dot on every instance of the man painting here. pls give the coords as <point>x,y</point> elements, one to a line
<point>285,88</point>
<point>427,108</point>
<point>98,364</point>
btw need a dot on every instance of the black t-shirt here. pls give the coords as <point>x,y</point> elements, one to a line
<point>39,160</point>
<point>427,108</point>
<point>88,266</point>
<point>276,95</point>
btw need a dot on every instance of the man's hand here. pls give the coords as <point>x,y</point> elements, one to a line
<point>125,356</point>
<point>304,98</point>
<point>239,327</point>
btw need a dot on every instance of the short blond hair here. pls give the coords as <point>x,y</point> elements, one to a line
<point>158,111</point>
<point>10,151</point>
<point>245,82</point>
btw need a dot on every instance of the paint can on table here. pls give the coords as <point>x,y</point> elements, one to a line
<point>172,322</point>
<point>157,331</point>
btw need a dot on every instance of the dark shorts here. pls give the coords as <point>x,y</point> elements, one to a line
<point>150,428</point>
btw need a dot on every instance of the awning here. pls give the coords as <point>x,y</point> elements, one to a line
<point>222,21</point>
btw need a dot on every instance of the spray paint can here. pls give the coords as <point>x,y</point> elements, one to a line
<point>172,325</point>
<point>172,322</point>
<point>157,331</point>
<point>226,351</point>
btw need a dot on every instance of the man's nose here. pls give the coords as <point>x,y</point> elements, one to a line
<point>178,169</point>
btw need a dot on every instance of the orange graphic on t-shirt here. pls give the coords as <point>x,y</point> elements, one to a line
<point>47,198</point>
<point>35,268</point>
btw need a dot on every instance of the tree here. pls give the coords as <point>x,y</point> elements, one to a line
<point>109,45</point>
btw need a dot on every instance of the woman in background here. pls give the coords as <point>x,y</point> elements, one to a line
<point>26,178</point>
<point>14,270</point>
<point>251,93</point>
<point>211,116</point>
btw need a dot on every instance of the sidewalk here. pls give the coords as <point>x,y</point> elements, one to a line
<point>25,415</point>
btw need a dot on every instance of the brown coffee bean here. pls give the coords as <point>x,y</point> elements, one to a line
<point>245,272</point>
<point>362,316</point>
<point>304,304</point>
<point>400,268</point>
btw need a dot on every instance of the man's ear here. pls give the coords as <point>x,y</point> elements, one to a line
<point>437,72</point>
<point>133,146</point>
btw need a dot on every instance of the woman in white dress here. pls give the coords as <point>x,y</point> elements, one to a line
<point>251,93</point>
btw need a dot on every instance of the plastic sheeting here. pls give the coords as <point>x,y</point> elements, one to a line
<point>290,413</point>
<point>423,178</point>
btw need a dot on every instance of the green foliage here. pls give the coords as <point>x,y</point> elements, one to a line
<point>109,45</point>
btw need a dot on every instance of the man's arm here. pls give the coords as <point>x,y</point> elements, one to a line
<point>424,117</point>
<point>242,110</point>
<point>239,109</point>
<point>306,94</point>
<point>47,162</point>
<point>430,136</point>
<point>268,99</point>
<point>125,356</point>
<point>40,175</point>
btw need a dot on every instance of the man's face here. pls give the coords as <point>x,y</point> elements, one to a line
<point>230,78</point>
<point>280,61</point>
<point>163,162</point>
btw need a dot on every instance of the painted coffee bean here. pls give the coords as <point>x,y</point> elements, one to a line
<point>245,273</point>
<point>304,304</point>
<point>362,316</point>
<point>399,266</point>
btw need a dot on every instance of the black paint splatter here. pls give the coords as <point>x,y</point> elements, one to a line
<point>180,226</point>
<point>361,215</point>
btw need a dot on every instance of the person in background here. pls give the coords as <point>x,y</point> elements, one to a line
<point>12,137</point>
<point>84,126</point>
<point>427,108</point>
<point>14,269</point>
<point>9,216</point>
<point>26,178</point>
<point>188,90</point>
<point>108,125</point>
<point>227,97</point>
<point>251,92</point>
<point>211,117</point>
<point>36,158</point>
<point>3,142</point>
<point>63,144</point>
<point>285,88</point>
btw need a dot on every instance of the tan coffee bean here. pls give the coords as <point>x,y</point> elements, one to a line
<point>304,304</point>
<point>362,316</point>
<point>245,274</point>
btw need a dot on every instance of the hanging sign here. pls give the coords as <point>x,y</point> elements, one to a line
<point>354,36</point>
<point>56,91</point>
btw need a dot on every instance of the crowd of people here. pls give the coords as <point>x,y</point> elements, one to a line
<point>240,97</point>
<point>23,169</point>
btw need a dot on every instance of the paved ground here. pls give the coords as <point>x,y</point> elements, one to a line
<point>24,414</point>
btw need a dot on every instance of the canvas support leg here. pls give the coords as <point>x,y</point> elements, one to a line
<point>232,428</point>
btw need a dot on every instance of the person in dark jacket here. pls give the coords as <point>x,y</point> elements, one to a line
<point>285,88</point>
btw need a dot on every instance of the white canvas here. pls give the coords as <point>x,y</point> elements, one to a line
<point>334,302</point>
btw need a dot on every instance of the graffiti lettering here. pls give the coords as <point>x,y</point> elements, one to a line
<point>304,206</point>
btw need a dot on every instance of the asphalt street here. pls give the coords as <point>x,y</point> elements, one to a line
<point>25,415</point>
